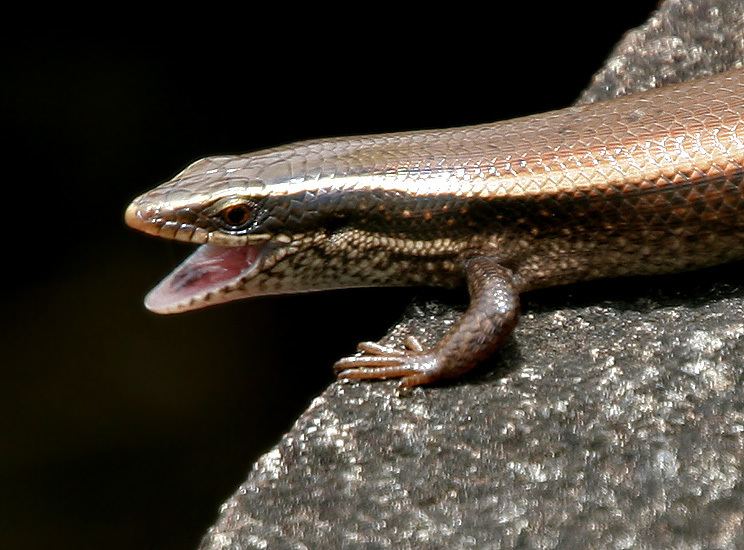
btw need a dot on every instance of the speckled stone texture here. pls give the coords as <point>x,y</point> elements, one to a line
<point>613,418</point>
<point>684,39</point>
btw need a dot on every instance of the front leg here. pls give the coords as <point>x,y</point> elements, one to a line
<point>490,318</point>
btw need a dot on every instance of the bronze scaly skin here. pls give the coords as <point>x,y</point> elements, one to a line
<point>648,183</point>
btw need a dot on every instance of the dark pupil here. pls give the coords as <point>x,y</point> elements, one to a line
<point>236,215</point>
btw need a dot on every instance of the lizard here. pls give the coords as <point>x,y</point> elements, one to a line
<point>643,184</point>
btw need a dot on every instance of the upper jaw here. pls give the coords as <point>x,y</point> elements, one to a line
<point>186,224</point>
<point>178,224</point>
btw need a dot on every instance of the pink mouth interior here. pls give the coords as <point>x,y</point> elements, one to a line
<point>207,270</point>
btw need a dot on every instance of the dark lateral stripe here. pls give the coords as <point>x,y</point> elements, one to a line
<point>424,217</point>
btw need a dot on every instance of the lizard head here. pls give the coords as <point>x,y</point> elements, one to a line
<point>264,231</point>
<point>254,240</point>
<point>290,219</point>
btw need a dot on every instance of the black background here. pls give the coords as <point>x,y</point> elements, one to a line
<point>123,429</point>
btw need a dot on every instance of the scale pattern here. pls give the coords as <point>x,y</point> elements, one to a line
<point>646,183</point>
<point>648,140</point>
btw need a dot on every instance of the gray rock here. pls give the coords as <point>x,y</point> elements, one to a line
<point>613,418</point>
<point>684,39</point>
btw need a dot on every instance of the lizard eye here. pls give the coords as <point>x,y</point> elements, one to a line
<point>237,215</point>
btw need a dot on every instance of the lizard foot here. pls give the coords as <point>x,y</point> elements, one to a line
<point>413,365</point>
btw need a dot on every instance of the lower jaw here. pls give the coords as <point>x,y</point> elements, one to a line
<point>207,272</point>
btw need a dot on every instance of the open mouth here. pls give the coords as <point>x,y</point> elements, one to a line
<point>204,276</point>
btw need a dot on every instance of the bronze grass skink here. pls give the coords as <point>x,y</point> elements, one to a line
<point>647,183</point>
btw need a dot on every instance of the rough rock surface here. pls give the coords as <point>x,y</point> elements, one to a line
<point>684,39</point>
<point>613,418</point>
